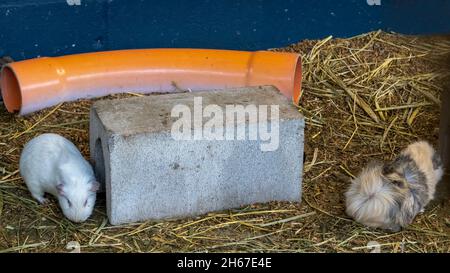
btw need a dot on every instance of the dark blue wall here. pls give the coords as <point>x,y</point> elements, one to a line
<point>30,28</point>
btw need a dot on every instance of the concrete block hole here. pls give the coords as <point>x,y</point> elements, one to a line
<point>99,163</point>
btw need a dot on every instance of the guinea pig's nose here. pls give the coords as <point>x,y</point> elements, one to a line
<point>78,219</point>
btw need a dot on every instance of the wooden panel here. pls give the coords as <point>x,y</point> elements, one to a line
<point>443,190</point>
<point>30,28</point>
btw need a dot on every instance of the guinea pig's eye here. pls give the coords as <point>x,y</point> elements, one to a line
<point>85,203</point>
<point>69,203</point>
<point>398,183</point>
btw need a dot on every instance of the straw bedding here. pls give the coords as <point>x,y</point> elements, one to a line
<point>364,98</point>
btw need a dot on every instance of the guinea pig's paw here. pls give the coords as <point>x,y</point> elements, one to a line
<point>44,201</point>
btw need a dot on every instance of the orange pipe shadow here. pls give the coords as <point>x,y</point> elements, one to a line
<point>31,85</point>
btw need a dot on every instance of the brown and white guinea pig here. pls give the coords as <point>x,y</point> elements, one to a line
<point>390,195</point>
<point>50,163</point>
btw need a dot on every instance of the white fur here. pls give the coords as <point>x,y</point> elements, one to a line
<point>50,163</point>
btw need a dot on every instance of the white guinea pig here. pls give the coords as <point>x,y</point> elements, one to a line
<point>50,163</point>
<point>390,195</point>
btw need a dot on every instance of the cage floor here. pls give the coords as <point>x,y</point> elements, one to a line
<point>364,98</point>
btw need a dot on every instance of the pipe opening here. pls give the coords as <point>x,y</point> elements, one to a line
<point>297,89</point>
<point>99,162</point>
<point>10,90</point>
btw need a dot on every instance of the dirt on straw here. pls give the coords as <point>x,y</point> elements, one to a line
<point>364,98</point>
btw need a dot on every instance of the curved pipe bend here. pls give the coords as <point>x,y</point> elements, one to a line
<point>31,85</point>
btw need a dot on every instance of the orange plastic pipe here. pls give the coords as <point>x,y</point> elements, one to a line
<point>31,85</point>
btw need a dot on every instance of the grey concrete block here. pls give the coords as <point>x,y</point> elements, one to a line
<point>149,175</point>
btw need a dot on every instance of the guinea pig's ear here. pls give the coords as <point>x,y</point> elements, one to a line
<point>396,165</point>
<point>94,186</point>
<point>60,188</point>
